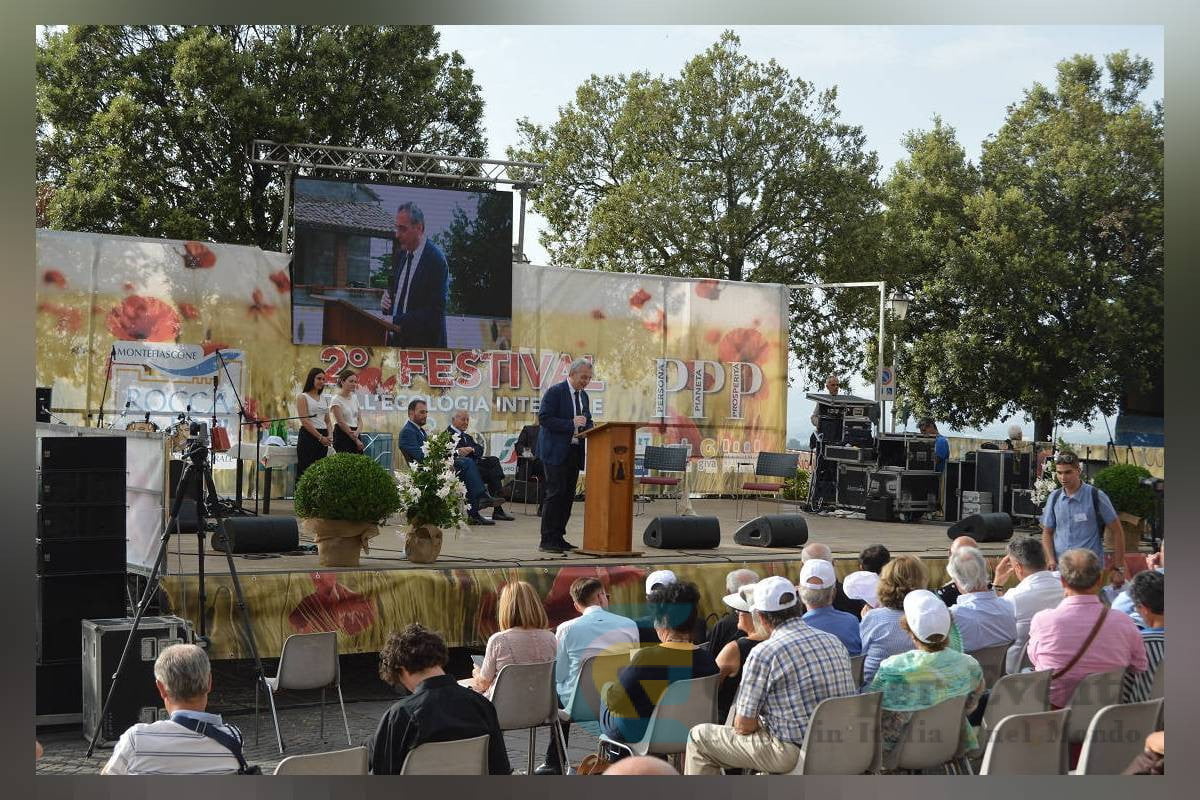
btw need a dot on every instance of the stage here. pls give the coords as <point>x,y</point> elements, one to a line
<point>288,594</point>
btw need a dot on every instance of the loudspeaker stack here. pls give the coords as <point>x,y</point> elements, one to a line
<point>80,558</point>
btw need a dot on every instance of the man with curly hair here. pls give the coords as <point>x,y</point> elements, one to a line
<point>437,710</point>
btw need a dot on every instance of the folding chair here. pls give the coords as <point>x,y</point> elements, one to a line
<point>684,704</point>
<point>337,762</point>
<point>931,739</point>
<point>1093,693</point>
<point>1027,744</point>
<point>530,479</point>
<point>459,757</point>
<point>663,459</point>
<point>583,707</point>
<point>843,737</point>
<point>770,465</point>
<point>524,698</point>
<point>992,660</point>
<point>1115,736</point>
<point>1157,687</point>
<point>856,668</point>
<point>308,661</point>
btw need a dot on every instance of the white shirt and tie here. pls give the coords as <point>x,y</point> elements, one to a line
<point>579,401</point>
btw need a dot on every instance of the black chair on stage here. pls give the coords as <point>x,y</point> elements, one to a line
<point>663,459</point>
<point>769,465</point>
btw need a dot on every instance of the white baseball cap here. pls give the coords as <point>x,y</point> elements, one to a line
<point>926,614</point>
<point>817,573</point>
<point>774,594</point>
<point>741,599</point>
<point>660,577</point>
<point>861,585</point>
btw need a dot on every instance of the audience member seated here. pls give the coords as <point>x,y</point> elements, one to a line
<point>983,619</point>
<point>1037,590</point>
<point>1058,635</point>
<point>437,710</point>
<point>595,631</point>
<point>862,585</point>
<point>734,654</point>
<point>523,637</point>
<point>647,626</point>
<point>880,630</point>
<point>817,587</point>
<point>822,552</point>
<point>873,557</point>
<point>1123,602</point>
<point>948,591</point>
<point>927,675</point>
<point>728,627</point>
<point>783,681</point>
<point>627,703</point>
<point>1147,591</point>
<point>176,746</point>
<point>1152,760</point>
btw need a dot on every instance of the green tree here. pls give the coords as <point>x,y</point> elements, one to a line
<point>146,130</point>
<point>734,169</point>
<point>474,247</point>
<point>1037,277</point>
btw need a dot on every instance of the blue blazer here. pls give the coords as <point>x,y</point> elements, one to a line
<point>556,417</point>
<point>467,441</point>
<point>412,436</point>
<point>424,324</point>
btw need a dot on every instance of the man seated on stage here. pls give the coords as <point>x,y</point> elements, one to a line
<point>469,452</point>
<point>783,680</point>
<point>175,746</point>
<point>412,438</point>
<point>437,710</point>
<point>595,631</point>
<point>726,629</point>
<point>983,619</point>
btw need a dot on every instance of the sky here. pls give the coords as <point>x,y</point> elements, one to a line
<point>890,80</point>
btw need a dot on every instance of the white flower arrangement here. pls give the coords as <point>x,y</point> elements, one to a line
<point>432,493</point>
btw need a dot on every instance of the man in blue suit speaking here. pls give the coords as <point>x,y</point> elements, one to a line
<point>565,411</point>
<point>419,284</point>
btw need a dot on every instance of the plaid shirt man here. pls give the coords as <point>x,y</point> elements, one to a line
<point>788,675</point>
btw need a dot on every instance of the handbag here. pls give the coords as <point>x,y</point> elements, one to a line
<point>1058,673</point>
<point>593,764</point>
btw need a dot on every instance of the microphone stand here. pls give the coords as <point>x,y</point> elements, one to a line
<point>112,357</point>
<point>243,420</point>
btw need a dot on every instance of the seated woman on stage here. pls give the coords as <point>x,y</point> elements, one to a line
<point>313,411</point>
<point>344,411</point>
<point>930,674</point>
<point>733,655</point>
<point>523,637</point>
<point>627,703</point>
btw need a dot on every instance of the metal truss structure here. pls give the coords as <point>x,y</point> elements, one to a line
<point>460,170</point>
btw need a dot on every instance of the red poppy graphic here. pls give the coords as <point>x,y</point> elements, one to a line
<point>597,314</point>
<point>678,429</point>
<point>708,289</point>
<point>656,321</point>
<point>189,311</point>
<point>709,378</point>
<point>712,336</point>
<point>143,319</point>
<point>70,320</point>
<point>743,344</point>
<point>639,298</point>
<point>128,287</point>
<point>209,347</point>
<point>252,412</point>
<point>53,277</point>
<point>259,306</point>
<point>389,385</point>
<point>198,256</point>
<point>281,280</point>
<point>369,378</point>
<point>580,344</point>
<point>332,607</point>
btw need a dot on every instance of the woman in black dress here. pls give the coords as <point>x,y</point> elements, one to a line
<point>733,655</point>
<point>313,410</point>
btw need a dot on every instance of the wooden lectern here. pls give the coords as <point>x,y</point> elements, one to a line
<point>345,323</point>
<point>608,488</point>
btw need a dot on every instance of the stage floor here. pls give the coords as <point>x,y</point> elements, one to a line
<point>515,544</point>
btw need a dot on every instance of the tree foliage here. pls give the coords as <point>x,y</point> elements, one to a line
<point>477,245</point>
<point>1037,276</point>
<point>146,130</point>
<point>734,169</point>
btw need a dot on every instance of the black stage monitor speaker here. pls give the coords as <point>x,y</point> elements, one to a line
<point>774,530</point>
<point>257,535</point>
<point>992,527</point>
<point>42,403</point>
<point>683,533</point>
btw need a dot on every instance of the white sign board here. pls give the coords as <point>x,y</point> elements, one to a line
<point>166,380</point>
<point>885,384</point>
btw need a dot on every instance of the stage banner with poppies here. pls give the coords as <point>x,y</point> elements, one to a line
<point>701,362</point>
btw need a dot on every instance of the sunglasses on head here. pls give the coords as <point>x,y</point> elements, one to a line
<point>1066,458</point>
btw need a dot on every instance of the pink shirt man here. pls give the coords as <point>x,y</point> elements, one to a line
<point>1056,634</point>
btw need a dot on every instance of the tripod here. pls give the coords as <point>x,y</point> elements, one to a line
<point>197,459</point>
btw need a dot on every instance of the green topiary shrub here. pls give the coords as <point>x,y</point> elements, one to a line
<point>1122,484</point>
<point>347,486</point>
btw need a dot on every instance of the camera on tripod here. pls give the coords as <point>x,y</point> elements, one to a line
<point>197,442</point>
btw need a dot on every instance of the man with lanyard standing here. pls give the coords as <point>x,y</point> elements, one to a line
<point>1076,515</point>
<point>565,412</point>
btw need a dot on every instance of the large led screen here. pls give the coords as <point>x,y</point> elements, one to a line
<point>401,266</point>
